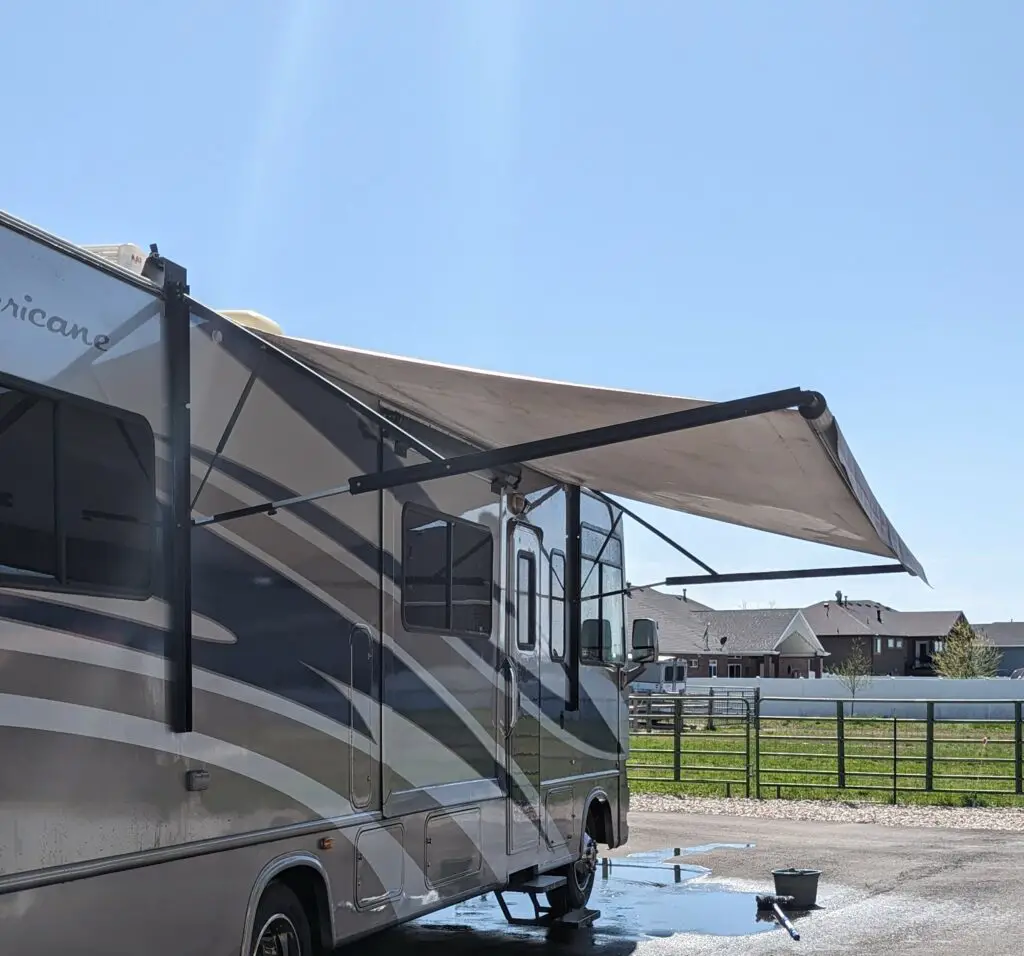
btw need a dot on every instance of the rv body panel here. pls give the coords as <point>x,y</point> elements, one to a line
<point>339,726</point>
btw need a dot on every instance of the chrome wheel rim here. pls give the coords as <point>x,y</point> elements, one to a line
<point>585,866</point>
<point>277,938</point>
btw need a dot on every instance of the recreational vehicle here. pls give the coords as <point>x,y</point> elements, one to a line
<point>664,677</point>
<point>299,641</point>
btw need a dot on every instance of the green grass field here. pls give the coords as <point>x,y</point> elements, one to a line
<point>798,759</point>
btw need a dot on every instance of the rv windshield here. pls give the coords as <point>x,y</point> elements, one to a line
<point>604,640</point>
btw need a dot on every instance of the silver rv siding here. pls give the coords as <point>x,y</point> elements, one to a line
<point>364,757</point>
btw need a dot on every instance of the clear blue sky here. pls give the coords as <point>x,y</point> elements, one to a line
<point>706,199</point>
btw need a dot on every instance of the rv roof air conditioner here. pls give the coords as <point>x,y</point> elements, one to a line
<point>127,255</point>
<point>252,320</point>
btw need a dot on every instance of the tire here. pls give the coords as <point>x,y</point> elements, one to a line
<point>579,881</point>
<point>281,913</point>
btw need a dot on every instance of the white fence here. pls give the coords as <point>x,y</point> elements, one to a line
<point>878,697</point>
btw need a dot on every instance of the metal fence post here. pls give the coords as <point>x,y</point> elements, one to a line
<point>746,748</point>
<point>711,708</point>
<point>677,738</point>
<point>840,745</point>
<point>1018,776</point>
<point>895,778</point>
<point>929,746</point>
<point>757,743</point>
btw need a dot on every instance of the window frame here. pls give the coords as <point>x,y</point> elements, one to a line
<point>58,582</point>
<point>712,668</point>
<point>553,602</point>
<point>433,514</point>
<point>739,670</point>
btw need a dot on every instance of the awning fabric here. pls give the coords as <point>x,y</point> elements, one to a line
<point>777,472</point>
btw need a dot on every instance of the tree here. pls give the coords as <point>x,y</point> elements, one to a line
<point>854,670</point>
<point>966,653</point>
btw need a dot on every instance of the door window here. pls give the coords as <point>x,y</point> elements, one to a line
<point>557,627</point>
<point>526,600</point>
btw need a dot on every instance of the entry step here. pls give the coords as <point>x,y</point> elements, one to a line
<point>538,884</point>
<point>579,918</point>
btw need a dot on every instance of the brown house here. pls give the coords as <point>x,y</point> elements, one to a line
<point>765,642</point>
<point>899,643</point>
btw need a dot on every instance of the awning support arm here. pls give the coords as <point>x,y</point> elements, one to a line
<point>268,507</point>
<point>811,405</point>
<point>656,531</point>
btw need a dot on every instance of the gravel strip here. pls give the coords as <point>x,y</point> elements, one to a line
<point>829,811</point>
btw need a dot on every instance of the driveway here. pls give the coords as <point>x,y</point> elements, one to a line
<point>883,891</point>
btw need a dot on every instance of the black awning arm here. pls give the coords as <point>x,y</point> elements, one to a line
<point>268,507</point>
<point>654,529</point>
<point>811,405</point>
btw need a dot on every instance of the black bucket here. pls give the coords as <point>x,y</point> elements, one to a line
<point>802,885</point>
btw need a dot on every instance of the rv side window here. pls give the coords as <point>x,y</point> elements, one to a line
<point>557,630</point>
<point>526,600</point>
<point>447,577</point>
<point>77,496</point>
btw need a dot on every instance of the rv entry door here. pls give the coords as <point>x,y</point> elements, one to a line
<point>522,698</point>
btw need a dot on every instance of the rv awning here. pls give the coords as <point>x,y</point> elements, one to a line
<point>777,472</point>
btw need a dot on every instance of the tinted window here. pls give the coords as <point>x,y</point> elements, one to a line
<point>471,578</point>
<point>447,573</point>
<point>77,495</point>
<point>425,565</point>
<point>108,509</point>
<point>28,540</point>
<point>557,605</point>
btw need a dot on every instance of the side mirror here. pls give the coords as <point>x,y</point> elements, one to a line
<point>645,641</point>
<point>595,639</point>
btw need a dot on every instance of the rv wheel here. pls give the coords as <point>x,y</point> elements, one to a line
<point>579,883</point>
<point>281,927</point>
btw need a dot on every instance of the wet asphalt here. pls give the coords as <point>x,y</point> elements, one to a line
<point>687,885</point>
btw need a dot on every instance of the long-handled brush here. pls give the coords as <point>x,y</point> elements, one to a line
<point>775,903</point>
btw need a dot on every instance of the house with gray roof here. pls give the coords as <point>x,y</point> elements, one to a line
<point>799,642</point>
<point>898,643</point>
<point>1008,636</point>
<point>767,642</point>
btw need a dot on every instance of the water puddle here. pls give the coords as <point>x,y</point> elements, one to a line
<point>640,896</point>
<point>711,847</point>
<point>660,858</point>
